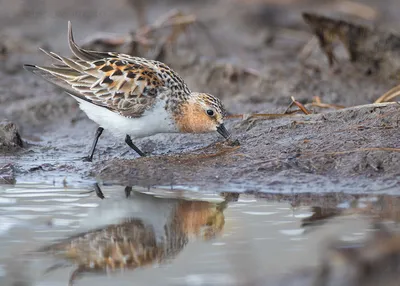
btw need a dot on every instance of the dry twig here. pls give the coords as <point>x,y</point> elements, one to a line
<point>317,103</point>
<point>389,95</point>
<point>259,115</point>
<point>298,104</point>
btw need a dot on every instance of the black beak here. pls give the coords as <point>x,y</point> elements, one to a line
<point>222,130</point>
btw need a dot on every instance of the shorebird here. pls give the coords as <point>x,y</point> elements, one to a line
<point>132,97</point>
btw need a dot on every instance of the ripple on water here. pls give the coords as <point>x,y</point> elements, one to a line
<point>6,224</point>
<point>205,238</point>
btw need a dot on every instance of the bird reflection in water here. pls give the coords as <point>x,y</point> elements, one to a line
<point>148,230</point>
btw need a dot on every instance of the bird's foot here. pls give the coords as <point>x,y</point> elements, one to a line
<point>87,159</point>
<point>233,143</point>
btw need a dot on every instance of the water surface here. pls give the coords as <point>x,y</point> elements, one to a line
<point>55,235</point>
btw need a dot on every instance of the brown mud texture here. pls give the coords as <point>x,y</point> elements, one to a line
<point>254,55</point>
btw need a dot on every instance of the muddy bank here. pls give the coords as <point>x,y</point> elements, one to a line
<point>251,61</point>
<point>10,139</point>
<point>336,144</point>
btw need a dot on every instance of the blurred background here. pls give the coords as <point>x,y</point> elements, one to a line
<point>253,54</point>
<point>263,37</point>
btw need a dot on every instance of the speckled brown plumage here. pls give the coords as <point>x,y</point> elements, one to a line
<point>122,83</point>
<point>130,96</point>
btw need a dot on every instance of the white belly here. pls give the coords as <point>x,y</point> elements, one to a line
<point>153,121</point>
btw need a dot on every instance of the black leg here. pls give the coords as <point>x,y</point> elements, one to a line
<point>98,191</point>
<point>128,141</point>
<point>128,191</point>
<point>89,158</point>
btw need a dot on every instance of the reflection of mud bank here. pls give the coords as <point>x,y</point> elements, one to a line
<point>372,263</point>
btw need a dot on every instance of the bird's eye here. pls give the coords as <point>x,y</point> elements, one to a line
<point>210,112</point>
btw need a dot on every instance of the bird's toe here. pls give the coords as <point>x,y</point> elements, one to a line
<point>87,159</point>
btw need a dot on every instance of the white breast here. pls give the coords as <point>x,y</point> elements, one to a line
<point>156,120</point>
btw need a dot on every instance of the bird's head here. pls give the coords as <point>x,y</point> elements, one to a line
<point>202,113</point>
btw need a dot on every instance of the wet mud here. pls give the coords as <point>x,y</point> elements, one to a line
<point>253,59</point>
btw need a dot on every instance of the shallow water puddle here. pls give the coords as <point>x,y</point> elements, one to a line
<point>52,236</point>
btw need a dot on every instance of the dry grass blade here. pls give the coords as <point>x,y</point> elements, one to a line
<point>388,96</point>
<point>317,103</point>
<point>260,115</point>
<point>300,106</point>
<point>287,110</point>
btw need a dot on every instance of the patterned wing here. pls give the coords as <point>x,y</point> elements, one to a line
<point>123,84</point>
<point>123,87</point>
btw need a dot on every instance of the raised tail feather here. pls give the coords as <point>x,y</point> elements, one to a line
<point>99,78</point>
<point>65,70</point>
<point>83,54</point>
<point>44,73</point>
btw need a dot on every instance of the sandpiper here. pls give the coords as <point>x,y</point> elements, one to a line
<point>131,97</point>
